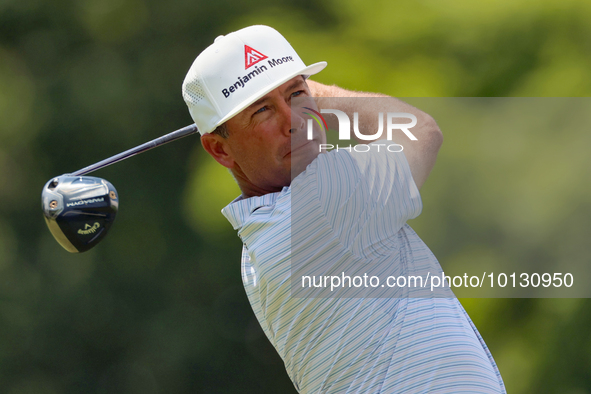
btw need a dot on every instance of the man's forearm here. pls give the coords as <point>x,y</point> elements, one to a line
<point>368,110</point>
<point>421,154</point>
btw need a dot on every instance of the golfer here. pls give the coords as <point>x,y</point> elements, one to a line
<point>353,207</point>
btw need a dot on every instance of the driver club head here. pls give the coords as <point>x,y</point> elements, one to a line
<point>79,210</point>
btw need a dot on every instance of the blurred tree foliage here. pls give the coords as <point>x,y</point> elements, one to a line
<point>159,306</point>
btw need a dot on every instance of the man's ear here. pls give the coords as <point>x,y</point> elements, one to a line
<point>218,148</point>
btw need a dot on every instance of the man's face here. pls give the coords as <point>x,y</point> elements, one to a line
<point>267,145</point>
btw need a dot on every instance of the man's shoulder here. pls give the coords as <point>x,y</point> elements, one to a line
<point>344,167</point>
<point>240,210</point>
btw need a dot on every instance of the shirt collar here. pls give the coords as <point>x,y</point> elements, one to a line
<point>240,209</point>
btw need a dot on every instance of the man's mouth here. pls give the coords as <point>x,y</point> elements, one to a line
<point>296,148</point>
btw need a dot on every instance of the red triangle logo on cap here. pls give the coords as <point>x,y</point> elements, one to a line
<point>252,57</point>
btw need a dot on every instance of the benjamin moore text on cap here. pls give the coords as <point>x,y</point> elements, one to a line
<point>238,69</point>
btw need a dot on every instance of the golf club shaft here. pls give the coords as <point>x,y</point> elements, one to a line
<point>175,135</point>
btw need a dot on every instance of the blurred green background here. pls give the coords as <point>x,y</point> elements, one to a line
<point>158,306</point>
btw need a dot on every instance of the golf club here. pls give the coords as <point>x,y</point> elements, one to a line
<point>79,210</point>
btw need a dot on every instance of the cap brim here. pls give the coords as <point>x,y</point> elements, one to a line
<point>306,72</point>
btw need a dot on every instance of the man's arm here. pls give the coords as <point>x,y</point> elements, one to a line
<point>420,154</point>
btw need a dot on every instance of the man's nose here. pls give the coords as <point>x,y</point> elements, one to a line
<point>297,122</point>
<point>292,121</point>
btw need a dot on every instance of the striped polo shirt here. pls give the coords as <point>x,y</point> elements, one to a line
<point>348,211</point>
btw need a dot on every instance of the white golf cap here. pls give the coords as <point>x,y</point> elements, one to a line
<point>238,69</point>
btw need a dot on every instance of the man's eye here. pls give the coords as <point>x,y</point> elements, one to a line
<point>262,109</point>
<point>294,94</point>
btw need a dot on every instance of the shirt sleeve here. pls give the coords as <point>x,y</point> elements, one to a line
<point>366,197</point>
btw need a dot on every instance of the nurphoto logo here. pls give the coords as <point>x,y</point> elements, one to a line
<point>392,120</point>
